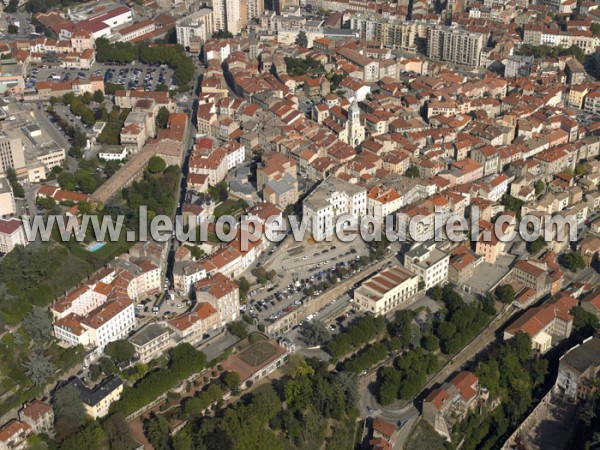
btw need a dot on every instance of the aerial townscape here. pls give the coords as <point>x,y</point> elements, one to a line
<point>299,224</point>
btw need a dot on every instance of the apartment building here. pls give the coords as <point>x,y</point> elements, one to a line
<point>532,275</point>
<point>462,264</point>
<point>192,326</point>
<point>186,273</point>
<point>13,435</point>
<point>150,342</point>
<point>212,163</point>
<point>546,325</point>
<point>223,294</point>
<point>276,179</point>
<point>383,202</point>
<point>195,29</point>
<point>455,45</point>
<point>330,200</point>
<point>110,322</point>
<point>12,234</point>
<point>577,370</point>
<point>386,291</point>
<point>12,154</point>
<point>428,262</point>
<point>229,15</point>
<point>450,403</point>
<point>38,415</point>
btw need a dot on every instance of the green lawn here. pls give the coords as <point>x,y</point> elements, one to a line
<point>424,437</point>
<point>230,207</point>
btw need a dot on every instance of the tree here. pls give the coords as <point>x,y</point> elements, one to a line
<point>156,164</point>
<point>98,96</point>
<point>38,324</point>
<point>222,34</point>
<point>91,437</point>
<point>239,329</point>
<point>431,343</point>
<point>580,169</point>
<point>67,181</point>
<point>539,187</point>
<point>534,247</point>
<point>412,172</point>
<point>232,381</point>
<point>69,411</point>
<point>583,319</point>
<point>39,369</point>
<point>18,190</point>
<point>595,29</point>
<point>12,29</point>
<point>505,293</point>
<point>12,6</point>
<point>574,261</point>
<point>121,351</point>
<point>162,117</point>
<point>302,39</point>
<point>315,333</point>
<point>244,287</point>
<point>107,366</point>
<point>117,433</point>
<point>158,432</point>
<point>196,252</point>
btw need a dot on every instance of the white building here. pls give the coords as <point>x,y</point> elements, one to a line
<point>197,27</point>
<point>386,291</point>
<point>429,263</point>
<point>330,200</point>
<point>577,370</point>
<point>228,15</point>
<point>383,202</point>
<point>236,154</point>
<point>109,322</point>
<point>12,234</point>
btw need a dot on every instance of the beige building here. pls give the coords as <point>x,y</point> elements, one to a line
<point>195,29</point>
<point>12,234</point>
<point>429,263</point>
<point>12,154</point>
<point>7,200</point>
<point>97,401</point>
<point>450,403</point>
<point>386,291</point>
<point>455,45</point>
<point>150,342</point>
<point>222,293</point>
<point>192,326</point>
<point>546,325</point>
<point>38,415</point>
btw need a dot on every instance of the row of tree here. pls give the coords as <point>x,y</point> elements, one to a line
<point>463,321</point>
<point>359,332</point>
<point>407,377</point>
<point>184,360</point>
<point>172,55</point>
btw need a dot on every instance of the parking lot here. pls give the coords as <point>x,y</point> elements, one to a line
<point>302,269</point>
<point>130,76</point>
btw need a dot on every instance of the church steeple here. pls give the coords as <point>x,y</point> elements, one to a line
<point>354,112</point>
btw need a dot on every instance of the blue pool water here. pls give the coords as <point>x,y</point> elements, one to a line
<point>97,246</point>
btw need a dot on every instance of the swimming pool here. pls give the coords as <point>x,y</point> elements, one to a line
<point>96,246</point>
